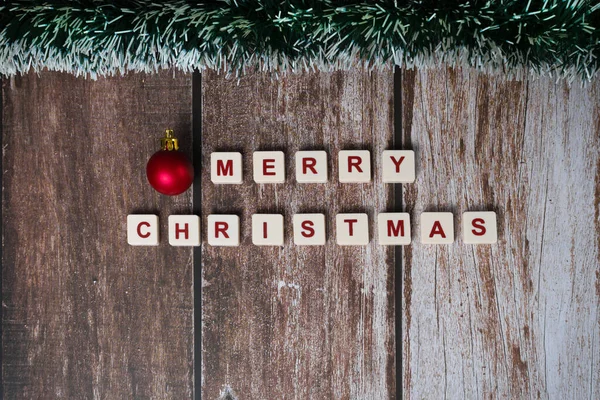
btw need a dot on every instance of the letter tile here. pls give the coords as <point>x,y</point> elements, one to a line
<point>226,168</point>
<point>352,229</point>
<point>394,229</point>
<point>480,227</point>
<point>267,229</point>
<point>142,230</point>
<point>184,230</point>
<point>437,228</point>
<point>398,166</point>
<point>311,167</point>
<point>268,166</point>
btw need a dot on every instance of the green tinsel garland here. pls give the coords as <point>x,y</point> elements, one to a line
<point>99,37</point>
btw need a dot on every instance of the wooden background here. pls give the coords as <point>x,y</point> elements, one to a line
<point>84,315</point>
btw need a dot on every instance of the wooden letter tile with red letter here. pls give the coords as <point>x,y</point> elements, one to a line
<point>480,227</point>
<point>437,228</point>
<point>309,229</point>
<point>311,167</point>
<point>398,166</point>
<point>268,166</point>
<point>142,230</point>
<point>184,230</point>
<point>223,230</point>
<point>354,166</point>
<point>226,168</point>
<point>394,229</point>
<point>352,229</point>
<point>267,229</point>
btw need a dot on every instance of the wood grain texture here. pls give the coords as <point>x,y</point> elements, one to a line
<point>519,319</point>
<point>84,314</point>
<point>292,322</point>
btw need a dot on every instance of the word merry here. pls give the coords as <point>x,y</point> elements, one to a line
<point>311,166</point>
<point>309,229</point>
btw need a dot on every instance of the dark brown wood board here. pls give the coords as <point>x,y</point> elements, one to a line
<point>84,314</point>
<point>519,319</point>
<point>297,322</point>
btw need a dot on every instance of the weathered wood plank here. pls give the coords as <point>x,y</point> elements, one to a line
<point>86,315</point>
<point>294,322</point>
<point>518,319</point>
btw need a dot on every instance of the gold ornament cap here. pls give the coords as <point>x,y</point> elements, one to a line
<point>169,142</point>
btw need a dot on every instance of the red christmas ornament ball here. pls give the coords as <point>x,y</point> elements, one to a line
<point>170,172</point>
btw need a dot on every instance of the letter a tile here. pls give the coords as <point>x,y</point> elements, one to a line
<point>437,228</point>
<point>309,229</point>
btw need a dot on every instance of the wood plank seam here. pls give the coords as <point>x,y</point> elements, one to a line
<point>197,209</point>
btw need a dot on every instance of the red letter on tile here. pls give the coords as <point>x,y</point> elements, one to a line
<point>139,230</point>
<point>309,163</point>
<point>397,164</point>
<point>221,227</point>
<point>480,228</point>
<point>266,166</point>
<point>178,230</point>
<point>437,230</point>
<point>354,161</point>
<point>225,170</point>
<point>308,226</point>
<point>350,223</point>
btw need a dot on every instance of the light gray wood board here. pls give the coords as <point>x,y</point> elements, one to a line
<point>297,322</point>
<point>518,319</point>
<point>84,314</point>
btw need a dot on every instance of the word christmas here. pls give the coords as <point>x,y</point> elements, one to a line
<point>311,167</point>
<point>309,229</point>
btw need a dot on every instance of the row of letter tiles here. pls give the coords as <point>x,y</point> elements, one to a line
<point>309,229</point>
<point>311,167</point>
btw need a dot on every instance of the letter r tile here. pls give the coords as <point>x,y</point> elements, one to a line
<point>354,166</point>
<point>398,166</point>
<point>223,230</point>
<point>311,167</point>
<point>437,228</point>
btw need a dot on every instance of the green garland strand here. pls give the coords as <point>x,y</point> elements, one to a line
<point>99,37</point>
